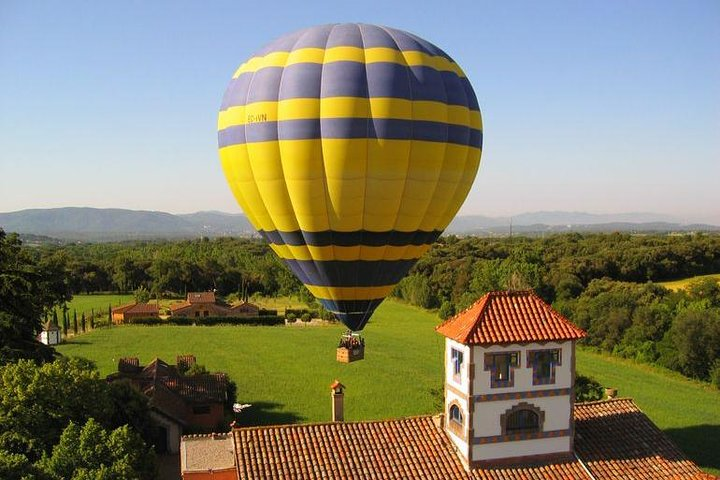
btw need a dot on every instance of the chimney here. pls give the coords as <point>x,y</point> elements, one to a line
<point>338,407</point>
<point>611,393</point>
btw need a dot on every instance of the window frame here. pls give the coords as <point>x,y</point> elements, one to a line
<point>509,414</point>
<point>512,364</point>
<point>457,358</point>
<point>533,361</point>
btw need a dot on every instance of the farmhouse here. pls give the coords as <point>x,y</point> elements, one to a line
<point>205,304</point>
<point>177,401</point>
<point>509,413</point>
<point>134,310</point>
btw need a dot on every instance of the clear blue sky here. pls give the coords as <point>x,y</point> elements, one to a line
<point>588,106</point>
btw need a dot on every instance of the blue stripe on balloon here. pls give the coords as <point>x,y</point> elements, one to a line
<point>349,239</point>
<point>353,313</point>
<point>381,128</point>
<point>350,273</point>
<point>348,79</point>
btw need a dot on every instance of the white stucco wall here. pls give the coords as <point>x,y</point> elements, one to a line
<point>521,448</point>
<point>463,382</point>
<point>486,421</point>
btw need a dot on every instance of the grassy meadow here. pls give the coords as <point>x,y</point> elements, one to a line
<point>683,283</point>
<point>285,372</point>
<point>99,303</point>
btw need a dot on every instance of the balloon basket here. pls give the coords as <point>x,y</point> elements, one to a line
<point>351,348</point>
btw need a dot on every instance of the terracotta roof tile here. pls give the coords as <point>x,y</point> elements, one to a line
<point>509,317</point>
<point>396,449</point>
<point>137,308</point>
<point>617,440</point>
<point>201,297</point>
<point>614,440</point>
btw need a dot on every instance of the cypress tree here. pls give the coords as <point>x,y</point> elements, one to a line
<point>75,325</point>
<point>65,323</point>
<point>55,319</point>
<point>92,319</point>
<point>109,315</point>
<point>82,321</point>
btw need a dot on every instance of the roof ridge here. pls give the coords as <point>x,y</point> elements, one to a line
<point>320,424</point>
<point>606,401</point>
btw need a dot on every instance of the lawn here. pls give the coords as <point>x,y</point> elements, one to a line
<point>683,283</point>
<point>285,372</point>
<point>688,411</point>
<point>100,302</point>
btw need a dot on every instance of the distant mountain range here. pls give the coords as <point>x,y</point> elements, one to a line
<point>114,224</point>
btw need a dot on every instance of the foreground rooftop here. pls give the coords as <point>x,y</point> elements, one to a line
<point>614,440</point>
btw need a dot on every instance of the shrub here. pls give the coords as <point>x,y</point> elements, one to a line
<point>291,317</point>
<point>587,389</point>
<point>305,317</point>
<point>715,374</point>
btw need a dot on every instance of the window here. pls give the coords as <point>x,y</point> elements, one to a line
<point>543,363</point>
<point>522,418</point>
<point>456,357</point>
<point>501,367</point>
<point>197,314</point>
<point>201,409</point>
<point>455,414</point>
<point>206,313</point>
<point>522,421</point>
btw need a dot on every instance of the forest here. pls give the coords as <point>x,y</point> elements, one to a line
<point>606,283</point>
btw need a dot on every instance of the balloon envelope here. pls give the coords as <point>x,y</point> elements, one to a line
<point>350,148</point>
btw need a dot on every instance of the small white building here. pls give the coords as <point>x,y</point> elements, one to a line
<point>509,379</point>
<point>50,334</point>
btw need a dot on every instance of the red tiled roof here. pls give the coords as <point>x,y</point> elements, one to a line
<point>210,387</point>
<point>509,317</point>
<point>395,449</point>
<point>614,440</point>
<point>201,297</point>
<point>179,306</point>
<point>617,440</point>
<point>136,308</point>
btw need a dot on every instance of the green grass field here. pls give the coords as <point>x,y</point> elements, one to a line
<point>683,283</point>
<point>285,372</point>
<point>688,411</point>
<point>100,302</point>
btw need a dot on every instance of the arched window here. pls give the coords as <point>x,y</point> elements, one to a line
<point>522,421</point>
<point>455,414</point>
<point>522,418</point>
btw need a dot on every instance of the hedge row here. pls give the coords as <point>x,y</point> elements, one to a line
<point>267,320</point>
<point>299,312</point>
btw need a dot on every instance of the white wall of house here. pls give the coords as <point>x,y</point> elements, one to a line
<point>486,421</point>
<point>522,448</point>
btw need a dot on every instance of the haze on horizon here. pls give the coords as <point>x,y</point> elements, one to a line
<point>602,108</point>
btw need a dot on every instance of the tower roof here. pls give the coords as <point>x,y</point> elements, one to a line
<point>509,317</point>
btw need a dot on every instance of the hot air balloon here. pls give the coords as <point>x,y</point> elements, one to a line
<point>350,148</point>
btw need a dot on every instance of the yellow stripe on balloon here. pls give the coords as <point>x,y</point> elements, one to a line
<point>409,58</point>
<point>350,293</point>
<point>349,107</point>
<point>334,252</point>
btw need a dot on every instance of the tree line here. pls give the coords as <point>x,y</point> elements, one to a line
<point>605,283</point>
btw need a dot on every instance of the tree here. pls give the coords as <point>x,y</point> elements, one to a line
<point>92,452</point>
<point>26,294</point>
<point>142,294</point>
<point>75,322</point>
<point>38,401</point>
<point>82,321</point>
